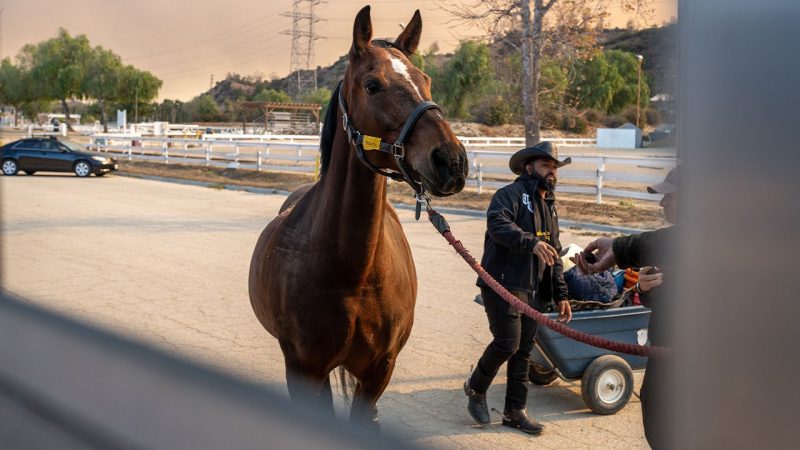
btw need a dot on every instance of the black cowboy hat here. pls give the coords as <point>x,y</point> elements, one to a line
<point>543,149</point>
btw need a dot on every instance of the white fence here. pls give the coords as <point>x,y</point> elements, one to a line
<point>273,155</point>
<point>519,142</point>
<point>598,176</point>
<point>613,176</point>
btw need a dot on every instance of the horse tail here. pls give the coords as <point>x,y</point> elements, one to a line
<point>346,383</point>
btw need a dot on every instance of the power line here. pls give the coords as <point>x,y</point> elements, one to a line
<point>215,53</point>
<point>213,39</point>
<point>204,67</point>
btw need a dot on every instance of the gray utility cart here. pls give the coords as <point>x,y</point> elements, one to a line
<point>606,376</point>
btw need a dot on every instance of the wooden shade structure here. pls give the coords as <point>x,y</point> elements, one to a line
<point>268,107</point>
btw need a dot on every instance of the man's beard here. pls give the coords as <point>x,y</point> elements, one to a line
<point>550,185</point>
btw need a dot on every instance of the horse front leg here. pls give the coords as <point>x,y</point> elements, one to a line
<point>371,384</point>
<point>309,384</point>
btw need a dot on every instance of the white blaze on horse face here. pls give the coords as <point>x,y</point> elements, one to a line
<point>400,67</point>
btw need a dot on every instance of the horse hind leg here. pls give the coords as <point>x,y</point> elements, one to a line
<point>371,384</point>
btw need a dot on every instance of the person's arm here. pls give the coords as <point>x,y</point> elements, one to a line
<point>644,249</point>
<point>560,290</point>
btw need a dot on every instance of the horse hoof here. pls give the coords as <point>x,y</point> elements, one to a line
<point>374,426</point>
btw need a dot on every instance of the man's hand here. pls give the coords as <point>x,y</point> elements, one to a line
<point>605,256</point>
<point>649,277</point>
<point>547,253</point>
<point>564,311</point>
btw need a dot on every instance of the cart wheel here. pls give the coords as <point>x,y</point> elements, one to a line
<point>540,375</point>
<point>607,384</point>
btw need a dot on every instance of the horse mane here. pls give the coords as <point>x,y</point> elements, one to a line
<point>383,43</point>
<point>328,131</point>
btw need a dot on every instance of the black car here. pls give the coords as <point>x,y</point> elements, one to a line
<point>32,155</point>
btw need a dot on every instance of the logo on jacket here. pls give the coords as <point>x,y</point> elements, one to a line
<point>527,200</point>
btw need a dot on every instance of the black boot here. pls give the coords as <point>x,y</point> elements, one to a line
<point>476,406</point>
<point>519,419</point>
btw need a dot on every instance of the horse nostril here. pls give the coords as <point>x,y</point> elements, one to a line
<point>440,161</point>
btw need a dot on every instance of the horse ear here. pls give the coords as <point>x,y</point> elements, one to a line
<point>409,38</point>
<point>362,32</point>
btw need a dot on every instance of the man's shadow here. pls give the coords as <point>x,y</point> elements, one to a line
<point>445,409</point>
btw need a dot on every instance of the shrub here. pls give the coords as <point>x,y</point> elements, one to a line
<point>496,111</point>
<point>653,116</point>
<point>573,122</point>
<point>593,116</point>
<point>613,121</point>
<point>551,118</point>
<point>629,114</point>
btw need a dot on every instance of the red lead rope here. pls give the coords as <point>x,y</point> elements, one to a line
<point>631,349</point>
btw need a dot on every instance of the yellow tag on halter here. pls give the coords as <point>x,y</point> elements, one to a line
<point>371,143</point>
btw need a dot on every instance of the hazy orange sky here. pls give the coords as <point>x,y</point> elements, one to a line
<point>185,42</point>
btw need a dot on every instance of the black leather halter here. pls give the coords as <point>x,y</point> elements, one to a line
<point>363,143</point>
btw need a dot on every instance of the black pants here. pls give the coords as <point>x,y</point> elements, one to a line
<point>513,340</point>
<point>658,428</point>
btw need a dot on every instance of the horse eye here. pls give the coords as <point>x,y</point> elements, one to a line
<point>372,87</point>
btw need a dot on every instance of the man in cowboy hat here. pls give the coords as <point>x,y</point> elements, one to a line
<point>521,252</point>
<point>647,250</point>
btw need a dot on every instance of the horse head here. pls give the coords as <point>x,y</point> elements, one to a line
<point>388,98</point>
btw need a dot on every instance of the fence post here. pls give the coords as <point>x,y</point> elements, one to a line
<point>299,154</point>
<point>480,178</point>
<point>258,161</point>
<point>236,154</point>
<point>165,149</point>
<point>208,153</point>
<point>601,169</point>
<point>130,149</point>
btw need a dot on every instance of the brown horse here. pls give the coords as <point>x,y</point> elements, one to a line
<point>332,277</point>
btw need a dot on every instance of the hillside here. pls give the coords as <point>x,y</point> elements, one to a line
<point>657,45</point>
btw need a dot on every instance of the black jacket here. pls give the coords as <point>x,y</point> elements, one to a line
<point>515,221</point>
<point>652,248</point>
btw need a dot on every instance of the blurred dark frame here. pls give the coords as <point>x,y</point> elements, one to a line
<point>737,304</point>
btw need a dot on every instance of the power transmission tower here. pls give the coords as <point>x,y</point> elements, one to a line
<point>303,37</point>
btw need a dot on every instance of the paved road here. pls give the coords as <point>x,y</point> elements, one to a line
<point>167,264</point>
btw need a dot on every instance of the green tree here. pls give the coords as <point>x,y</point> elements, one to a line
<point>608,82</point>
<point>138,88</point>
<point>627,66</point>
<point>58,68</point>
<point>167,111</point>
<point>320,97</point>
<point>204,109</point>
<point>14,86</point>
<point>596,83</point>
<point>575,22</point>
<point>553,84</point>
<point>467,74</point>
<point>272,95</point>
<point>104,70</point>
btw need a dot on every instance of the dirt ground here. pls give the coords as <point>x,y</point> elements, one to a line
<point>577,208</point>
